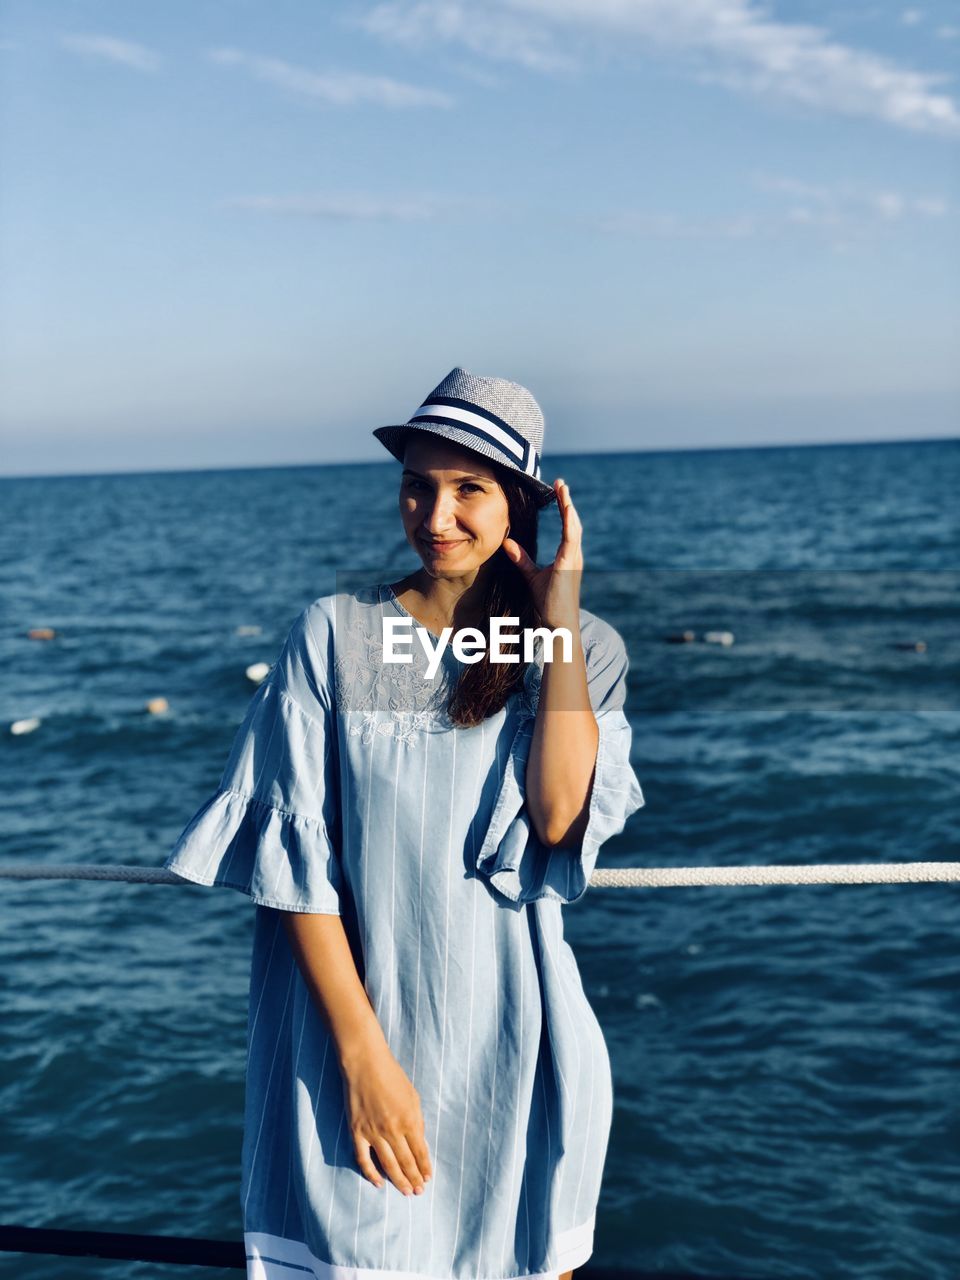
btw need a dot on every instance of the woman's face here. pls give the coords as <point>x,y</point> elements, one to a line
<point>454,512</point>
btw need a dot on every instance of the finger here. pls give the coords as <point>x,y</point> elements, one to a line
<point>408,1163</point>
<point>563,502</point>
<point>419,1148</point>
<point>392,1166</point>
<point>572,528</point>
<point>524,563</point>
<point>566,502</point>
<point>367,1167</point>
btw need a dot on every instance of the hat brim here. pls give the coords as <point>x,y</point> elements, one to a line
<point>394,437</point>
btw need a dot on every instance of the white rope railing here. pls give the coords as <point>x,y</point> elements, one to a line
<point>821,873</point>
<point>602,878</point>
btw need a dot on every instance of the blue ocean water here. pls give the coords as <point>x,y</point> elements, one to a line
<point>786,1059</point>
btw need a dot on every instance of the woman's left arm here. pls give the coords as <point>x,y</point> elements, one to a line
<point>563,749</point>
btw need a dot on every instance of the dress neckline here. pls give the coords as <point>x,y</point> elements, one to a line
<point>395,601</point>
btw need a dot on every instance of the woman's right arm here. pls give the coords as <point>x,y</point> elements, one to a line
<point>383,1106</point>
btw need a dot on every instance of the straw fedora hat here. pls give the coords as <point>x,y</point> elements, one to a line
<point>492,416</point>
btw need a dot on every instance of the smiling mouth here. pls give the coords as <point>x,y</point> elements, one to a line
<point>441,547</point>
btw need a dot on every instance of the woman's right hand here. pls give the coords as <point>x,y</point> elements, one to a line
<point>383,1109</point>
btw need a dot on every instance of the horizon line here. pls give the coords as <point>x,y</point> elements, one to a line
<point>376,462</point>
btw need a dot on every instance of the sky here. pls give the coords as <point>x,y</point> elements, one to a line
<point>239,234</point>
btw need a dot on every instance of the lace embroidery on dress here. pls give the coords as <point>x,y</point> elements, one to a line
<point>397,700</point>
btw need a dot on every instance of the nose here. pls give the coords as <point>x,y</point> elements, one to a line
<point>441,518</point>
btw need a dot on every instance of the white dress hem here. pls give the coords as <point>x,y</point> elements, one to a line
<point>271,1257</point>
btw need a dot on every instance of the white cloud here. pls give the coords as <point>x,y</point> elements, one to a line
<point>343,88</point>
<point>910,17</point>
<point>844,207</point>
<point>125,52</point>
<point>848,201</point>
<point>487,29</point>
<point>669,226</point>
<point>733,43</point>
<point>486,79</point>
<point>344,207</point>
<point>948,33</point>
<point>844,213</point>
<point>931,206</point>
<point>889,205</point>
<point>795,187</point>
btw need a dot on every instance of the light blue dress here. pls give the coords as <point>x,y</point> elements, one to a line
<point>349,791</point>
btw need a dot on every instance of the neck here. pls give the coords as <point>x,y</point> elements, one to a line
<point>451,601</point>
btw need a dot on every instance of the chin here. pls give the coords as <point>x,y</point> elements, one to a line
<point>440,571</point>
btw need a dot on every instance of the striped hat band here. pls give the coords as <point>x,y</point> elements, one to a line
<point>474,419</point>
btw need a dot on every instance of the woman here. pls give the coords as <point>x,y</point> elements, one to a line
<point>417,1022</point>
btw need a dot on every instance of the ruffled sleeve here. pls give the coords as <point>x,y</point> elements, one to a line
<point>512,856</point>
<point>271,828</point>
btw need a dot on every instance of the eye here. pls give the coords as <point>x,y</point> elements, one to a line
<point>467,484</point>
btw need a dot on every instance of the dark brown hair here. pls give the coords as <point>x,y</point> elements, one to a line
<point>483,687</point>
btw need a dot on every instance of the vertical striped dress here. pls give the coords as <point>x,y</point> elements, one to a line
<point>349,791</point>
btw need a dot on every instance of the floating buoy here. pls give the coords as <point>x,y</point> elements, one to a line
<point>156,705</point>
<point>248,629</point>
<point>41,633</point>
<point>25,726</point>
<point>718,637</point>
<point>681,637</point>
<point>258,672</point>
<point>912,646</point>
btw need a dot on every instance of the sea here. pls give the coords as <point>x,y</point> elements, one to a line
<point>786,1058</point>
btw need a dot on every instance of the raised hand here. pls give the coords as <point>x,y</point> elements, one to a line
<point>555,588</point>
